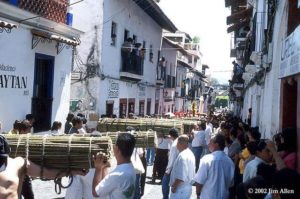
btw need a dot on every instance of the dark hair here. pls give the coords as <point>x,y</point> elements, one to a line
<point>4,146</point>
<point>233,132</point>
<point>255,134</point>
<point>16,124</point>
<point>126,143</point>
<point>252,147</point>
<point>174,133</point>
<point>266,171</point>
<point>70,117</point>
<point>202,125</point>
<point>289,136</point>
<point>76,120</point>
<point>55,126</point>
<point>220,140</point>
<point>80,115</point>
<point>261,145</point>
<point>29,117</point>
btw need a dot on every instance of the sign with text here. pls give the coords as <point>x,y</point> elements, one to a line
<point>113,91</point>
<point>10,80</point>
<point>142,91</point>
<point>290,55</point>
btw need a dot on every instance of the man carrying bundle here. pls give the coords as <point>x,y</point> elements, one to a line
<point>13,171</point>
<point>119,183</point>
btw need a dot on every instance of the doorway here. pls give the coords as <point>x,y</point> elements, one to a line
<point>123,108</point>
<point>149,106</point>
<point>109,108</point>
<point>289,103</point>
<point>41,106</point>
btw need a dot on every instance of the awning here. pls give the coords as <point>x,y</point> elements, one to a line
<point>184,64</point>
<point>239,16</point>
<point>235,2</point>
<point>239,25</point>
<point>6,26</point>
<point>55,37</point>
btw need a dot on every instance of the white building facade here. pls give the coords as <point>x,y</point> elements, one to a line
<point>108,86</point>
<point>35,66</point>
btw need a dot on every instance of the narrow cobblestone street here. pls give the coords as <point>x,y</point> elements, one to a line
<point>45,189</point>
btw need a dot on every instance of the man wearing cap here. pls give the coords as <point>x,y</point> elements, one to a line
<point>13,170</point>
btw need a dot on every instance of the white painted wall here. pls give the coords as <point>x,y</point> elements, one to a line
<point>15,51</point>
<point>97,17</point>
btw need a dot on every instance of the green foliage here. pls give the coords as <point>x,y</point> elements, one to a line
<point>196,39</point>
<point>222,101</point>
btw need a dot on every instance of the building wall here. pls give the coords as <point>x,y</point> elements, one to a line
<point>15,51</point>
<point>97,49</point>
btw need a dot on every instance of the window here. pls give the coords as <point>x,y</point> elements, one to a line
<point>113,34</point>
<point>126,35</point>
<point>134,38</point>
<point>151,53</point>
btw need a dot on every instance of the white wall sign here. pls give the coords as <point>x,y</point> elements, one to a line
<point>9,80</point>
<point>142,91</point>
<point>113,91</point>
<point>290,55</point>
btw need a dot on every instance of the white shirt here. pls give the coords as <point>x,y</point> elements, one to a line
<point>164,143</point>
<point>172,156</point>
<point>251,168</point>
<point>215,173</point>
<point>118,184</point>
<point>208,133</point>
<point>199,139</point>
<point>183,168</point>
<point>81,187</point>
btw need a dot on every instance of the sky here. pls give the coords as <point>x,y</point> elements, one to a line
<point>206,19</point>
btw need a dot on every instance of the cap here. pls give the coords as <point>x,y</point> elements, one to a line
<point>4,147</point>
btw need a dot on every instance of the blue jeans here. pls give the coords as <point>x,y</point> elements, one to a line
<point>137,193</point>
<point>150,155</point>
<point>197,151</point>
<point>165,186</point>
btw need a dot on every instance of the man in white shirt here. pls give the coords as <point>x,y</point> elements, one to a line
<point>198,142</point>
<point>216,172</point>
<point>172,157</point>
<point>263,155</point>
<point>208,134</point>
<point>120,182</point>
<point>183,170</point>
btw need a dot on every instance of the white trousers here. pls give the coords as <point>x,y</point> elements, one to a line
<point>182,192</point>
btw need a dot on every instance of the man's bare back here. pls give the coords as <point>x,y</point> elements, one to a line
<point>11,178</point>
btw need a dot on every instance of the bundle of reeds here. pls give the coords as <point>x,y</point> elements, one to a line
<point>59,152</point>
<point>144,139</point>
<point>161,126</point>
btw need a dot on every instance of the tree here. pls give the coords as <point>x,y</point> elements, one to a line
<point>196,39</point>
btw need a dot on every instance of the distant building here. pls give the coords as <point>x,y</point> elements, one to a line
<point>118,60</point>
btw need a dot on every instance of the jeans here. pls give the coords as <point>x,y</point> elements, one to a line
<point>150,155</point>
<point>197,151</point>
<point>137,193</point>
<point>165,186</point>
<point>182,192</point>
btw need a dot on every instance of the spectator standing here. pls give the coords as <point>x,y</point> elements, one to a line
<point>216,172</point>
<point>198,143</point>
<point>183,170</point>
<point>68,124</point>
<point>120,182</point>
<point>77,124</point>
<point>172,157</point>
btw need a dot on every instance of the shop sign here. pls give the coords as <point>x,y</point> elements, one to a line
<point>290,55</point>
<point>10,80</point>
<point>142,91</point>
<point>113,91</point>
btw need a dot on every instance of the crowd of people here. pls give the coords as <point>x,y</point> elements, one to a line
<point>222,157</point>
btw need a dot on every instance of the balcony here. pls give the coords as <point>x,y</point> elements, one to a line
<point>132,65</point>
<point>55,10</point>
